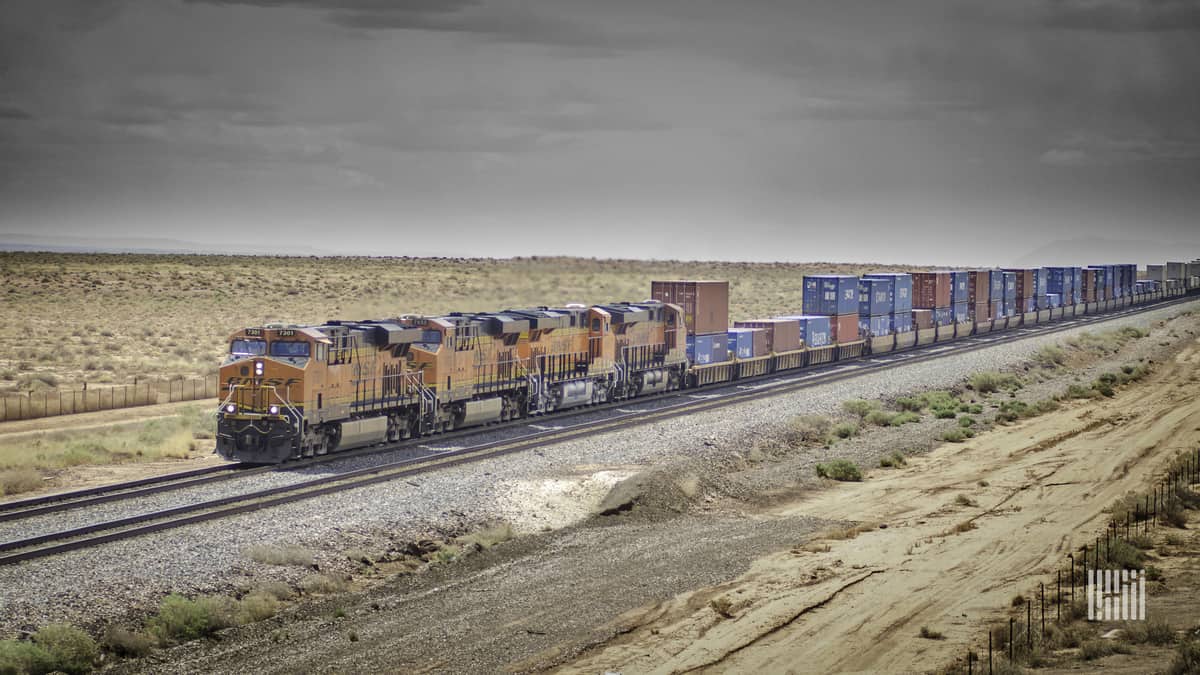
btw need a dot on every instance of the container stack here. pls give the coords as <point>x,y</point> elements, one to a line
<point>779,335</point>
<point>748,343</point>
<point>875,301</point>
<point>1026,290</point>
<point>979,294</point>
<point>815,330</point>
<point>1009,305</point>
<point>1077,284</point>
<point>960,290</point>
<point>902,299</point>
<point>1156,273</point>
<point>1175,271</point>
<point>933,292</point>
<point>1041,287</point>
<point>1061,281</point>
<point>705,315</point>
<point>1128,277</point>
<point>834,296</point>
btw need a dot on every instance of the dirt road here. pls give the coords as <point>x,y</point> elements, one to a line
<point>1032,492</point>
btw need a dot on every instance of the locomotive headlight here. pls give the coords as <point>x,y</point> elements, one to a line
<point>274,410</point>
<point>258,368</point>
<point>231,408</point>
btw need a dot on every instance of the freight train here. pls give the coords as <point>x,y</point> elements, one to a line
<point>300,391</point>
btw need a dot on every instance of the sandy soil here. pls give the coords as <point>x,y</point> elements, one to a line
<point>859,606</point>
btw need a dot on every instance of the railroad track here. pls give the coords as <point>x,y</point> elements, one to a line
<point>686,403</point>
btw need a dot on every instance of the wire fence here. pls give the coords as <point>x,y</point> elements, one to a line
<point>1024,642</point>
<point>150,392</point>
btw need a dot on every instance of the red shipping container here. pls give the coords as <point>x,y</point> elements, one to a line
<point>931,289</point>
<point>705,303</point>
<point>978,286</point>
<point>781,335</point>
<point>761,348</point>
<point>843,328</point>
<point>1089,285</point>
<point>980,312</point>
<point>922,319</point>
<point>1024,283</point>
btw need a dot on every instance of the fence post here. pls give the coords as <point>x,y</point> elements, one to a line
<point>989,651</point>
<point>1058,598</point>
<point>1043,599</point>
<point>1029,626</point>
<point>1011,638</point>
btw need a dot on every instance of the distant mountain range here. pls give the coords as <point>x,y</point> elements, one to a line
<point>1099,251</point>
<point>1081,251</point>
<point>67,244</point>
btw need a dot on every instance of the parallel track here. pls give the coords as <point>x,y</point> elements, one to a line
<point>738,392</point>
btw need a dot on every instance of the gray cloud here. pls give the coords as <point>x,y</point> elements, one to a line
<point>1124,16</point>
<point>870,109</point>
<point>516,23</point>
<point>1083,149</point>
<point>13,113</point>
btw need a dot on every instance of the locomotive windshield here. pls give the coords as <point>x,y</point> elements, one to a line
<point>289,348</point>
<point>248,347</point>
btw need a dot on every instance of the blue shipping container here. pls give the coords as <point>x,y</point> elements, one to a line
<point>704,349</point>
<point>875,296</point>
<point>901,291</point>
<point>875,326</point>
<point>1055,300</point>
<point>1010,285</point>
<point>959,287</point>
<point>962,312</point>
<point>1062,281</point>
<point>741,342</point>
<point>1041,276</point>
<point>1077,284</point>
<point>831,294</point>
<point>902,322</point>
<point>996,292</point>
<point>815,331</point>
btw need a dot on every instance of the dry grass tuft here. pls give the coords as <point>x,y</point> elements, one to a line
<point>16,481</point>
<point>280,555</point>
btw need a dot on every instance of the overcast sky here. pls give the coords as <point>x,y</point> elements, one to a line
<point>879,130</point>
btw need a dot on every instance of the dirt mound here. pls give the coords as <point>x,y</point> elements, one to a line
<point>657,493</point>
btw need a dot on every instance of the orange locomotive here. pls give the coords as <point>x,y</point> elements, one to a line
<point>295,391</point>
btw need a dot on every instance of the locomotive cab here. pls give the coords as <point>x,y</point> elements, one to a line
<point>261,414</point>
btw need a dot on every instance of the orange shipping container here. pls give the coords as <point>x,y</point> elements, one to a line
<point>705,303</point>
<point>844,328</point>
<point>931,289</point>
<point>979,286</point>
<point>782,335</point>
<point>922,318</point>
